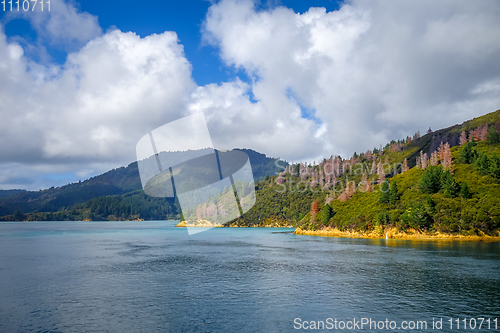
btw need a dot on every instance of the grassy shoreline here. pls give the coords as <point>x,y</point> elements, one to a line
<point>394,234</point>
<point>390,233</point>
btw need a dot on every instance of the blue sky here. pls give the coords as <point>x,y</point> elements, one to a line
<point>184,17</point>
<point>300,80</point>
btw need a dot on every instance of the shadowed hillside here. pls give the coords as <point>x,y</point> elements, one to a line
<point>117,193</point>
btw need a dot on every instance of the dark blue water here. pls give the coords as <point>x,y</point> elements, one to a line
<point>150,276</point>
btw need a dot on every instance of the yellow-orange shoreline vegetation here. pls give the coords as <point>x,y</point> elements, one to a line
<point>393,233</point>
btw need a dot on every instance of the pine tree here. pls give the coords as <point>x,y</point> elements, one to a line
<point>314,210</point>
<point>434,159</point>
<point>342,197</point>
<point>328,169</point>
<point>374,168</point>
<point>440,151</point>
<point>431,180</point>
<point>473,135</point>
<point>463,138</point>
<point>423,160</point>
<point>450,187</point>
<point>328,199</point>
<point>468,153</point>
<point>493,136</point>
<point>444,154</point>
<point>483,164</point>
<point>405,165</point>
<point>479,134</point>
<point>325,214</point>
<point>369,187</point>
<point>368,154</point>
<point>393,193</point>
<point>384,192</point>
<point>381,173</point>
<point>314,181</point>
<point>494,167</point>
<point>281,179</point>
<point>363,184</point>
<point>483,132</point>
<point>303,171</point>
<point>350,188</point>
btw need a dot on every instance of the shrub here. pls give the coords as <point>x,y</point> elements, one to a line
<point>465,192</point>
<point>395,215</point>
<point>431,204</point>
<point>417,216</point>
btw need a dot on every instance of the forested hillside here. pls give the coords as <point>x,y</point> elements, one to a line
<point>446,181</point>
<point>116,194</point>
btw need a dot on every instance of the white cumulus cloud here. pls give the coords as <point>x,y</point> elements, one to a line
<point>63,25</point>
<point>94,108</point>
<point>370,72</point>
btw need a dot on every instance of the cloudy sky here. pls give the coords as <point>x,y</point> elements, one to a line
<point>81,84</point>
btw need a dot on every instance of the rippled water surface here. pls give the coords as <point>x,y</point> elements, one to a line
<point>150,276</point>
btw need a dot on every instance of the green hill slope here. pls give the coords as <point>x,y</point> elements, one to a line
<point>465,202</point>
<point>415,209</point>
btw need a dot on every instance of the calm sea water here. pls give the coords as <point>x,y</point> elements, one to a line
<point>150,276</point>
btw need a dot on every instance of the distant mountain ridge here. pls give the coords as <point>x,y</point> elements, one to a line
<point>6,193</point>
<point>116,182</point>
